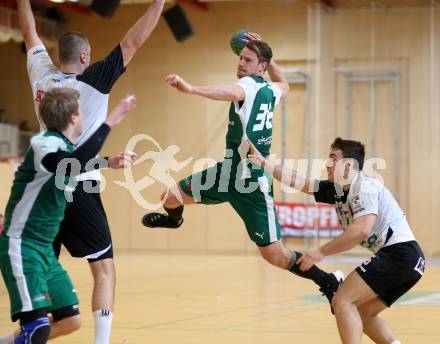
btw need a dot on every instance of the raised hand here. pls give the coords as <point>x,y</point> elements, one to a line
<point>252,36</point>
<point>127,104</point>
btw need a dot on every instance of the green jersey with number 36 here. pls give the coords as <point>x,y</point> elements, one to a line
<point>251,119</point>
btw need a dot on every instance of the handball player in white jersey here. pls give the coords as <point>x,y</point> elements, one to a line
<point>371,217</point>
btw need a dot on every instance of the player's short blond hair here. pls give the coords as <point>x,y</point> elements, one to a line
<point>57,106</point>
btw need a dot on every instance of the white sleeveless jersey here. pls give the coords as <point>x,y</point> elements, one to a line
<point>368,196</point>
<point>94,86</point>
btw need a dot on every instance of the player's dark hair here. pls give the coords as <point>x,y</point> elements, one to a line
<point>70,46</point>
<point>262,49</point>
<point>56,107</point>
<point>350,149</point>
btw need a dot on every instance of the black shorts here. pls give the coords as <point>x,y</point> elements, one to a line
<point>84,231</point>
<point>393,270</point>
<point>65,312</point>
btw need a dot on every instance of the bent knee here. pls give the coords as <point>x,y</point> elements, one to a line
<point>75,323</point>
<point>339,303</point>
<point>103,270</point>
<point>69,325</point>
<point>276,255</point>
<point>275,260</point>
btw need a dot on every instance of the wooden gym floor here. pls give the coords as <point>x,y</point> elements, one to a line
<point>228,299</point>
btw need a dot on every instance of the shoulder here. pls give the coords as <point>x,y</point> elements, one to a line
<point>38,57</point>
<point>247,80</point>
<point>364,189</point>
<point>48,142</point>
<point>366,184</point>
<point>254,84</point>
<point>37,50</point>
<point>274,87</point>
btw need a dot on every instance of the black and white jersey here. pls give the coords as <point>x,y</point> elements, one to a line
<point>94,86</point>
<point>368,196</point>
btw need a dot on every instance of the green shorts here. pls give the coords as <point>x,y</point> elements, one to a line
<point>252,199</point>
<point>34,277</point>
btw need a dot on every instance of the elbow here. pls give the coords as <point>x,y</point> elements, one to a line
<point>363,226</point>
<point>236,95</point>
<point>294,182</point>
<point>135,44</point>
<point>129,46</point>
<point>27,36</point>
<point>235,98</point>
<point>364,233</point>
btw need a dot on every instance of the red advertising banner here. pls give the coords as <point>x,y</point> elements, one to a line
<point>299,220</point>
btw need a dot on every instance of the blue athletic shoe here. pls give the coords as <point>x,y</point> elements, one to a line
<point>31,330</point>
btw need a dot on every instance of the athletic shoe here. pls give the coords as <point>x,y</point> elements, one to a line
<point>154,220</point>
<point>329,290</point>
<point>34,331</point>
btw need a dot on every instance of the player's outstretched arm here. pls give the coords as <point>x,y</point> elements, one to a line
<point>92,146</point>
<point>216,92</point>
<point>115,117</point>
<point>123,159</point>
<point>141,30</point>
<point>358,231</point>
<point>280,172</point>
<point>27,24</point>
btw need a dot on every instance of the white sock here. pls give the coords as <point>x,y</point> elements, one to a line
<point>8,339</point>
<point>395,342</point>
<point>103,326</point>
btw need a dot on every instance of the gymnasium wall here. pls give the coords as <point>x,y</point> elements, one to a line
<point>401,40</point>
<point>6,171</point>
<point>380,42</point>
<point>14,85</point>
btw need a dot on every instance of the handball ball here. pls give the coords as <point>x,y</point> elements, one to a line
<point>237,41</point>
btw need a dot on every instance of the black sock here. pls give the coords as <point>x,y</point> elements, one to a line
<point>175,214</point>
<point>320,277</point>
